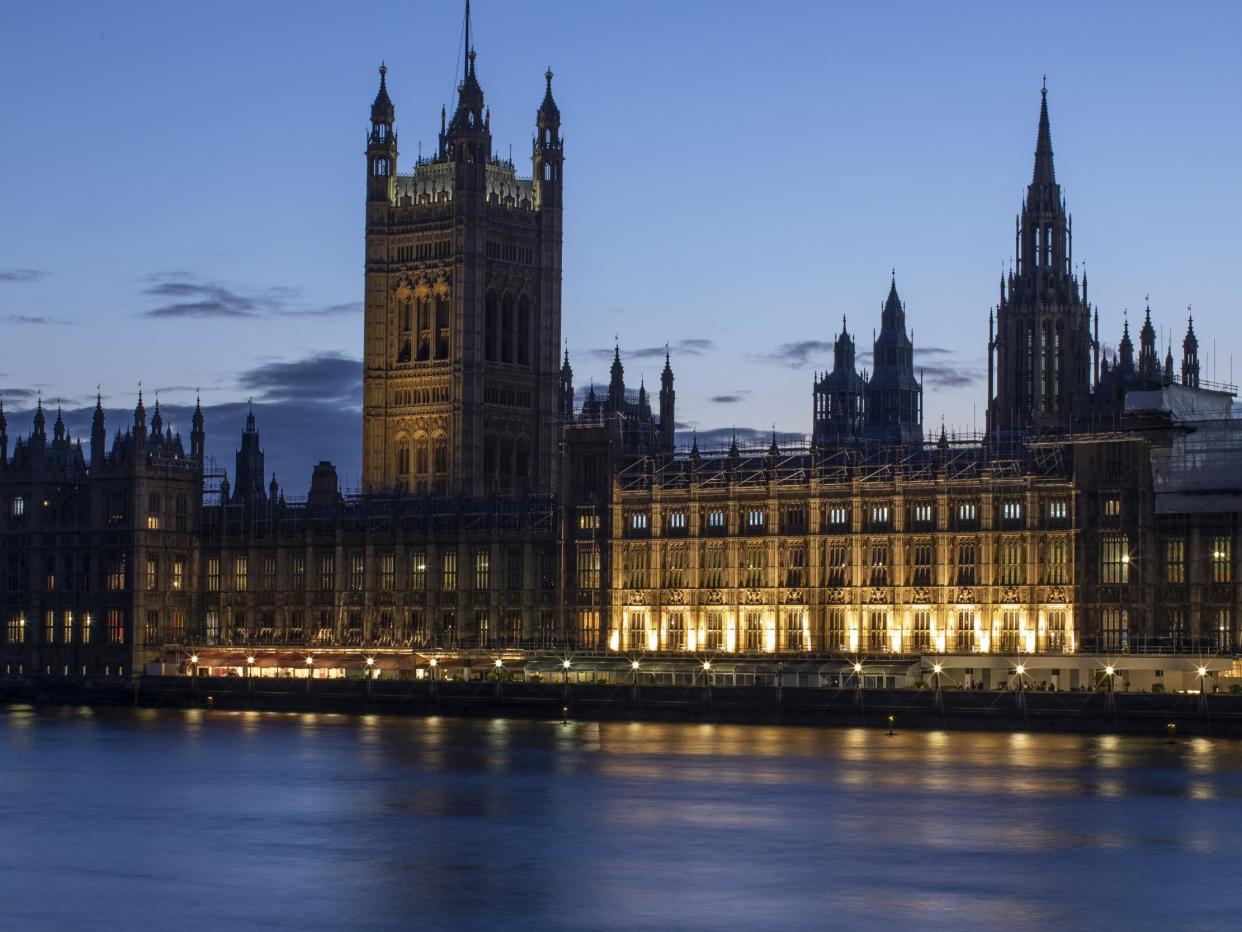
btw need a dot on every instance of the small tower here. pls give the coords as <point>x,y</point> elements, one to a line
<point>894,402</point>
<point>838,395</point>
<point>1149,362</point>
<point>249,471</point>
<point>567,389</point>
<point>616,383</point>
<point>4,435</point>
<point>1190,355</point>
<point>467,142</point>
<point>547,153</point>
<point>99,437</point>
<point>58,429</point>
<point>198,438</point>
<point>1126,363</point>
<point>382,146</point>
<point>668,397</point>
<point>140,422</point>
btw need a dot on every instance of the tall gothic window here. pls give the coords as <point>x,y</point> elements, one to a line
<point>506,329</point>
<point>489,327</point>
<point>523,332</point>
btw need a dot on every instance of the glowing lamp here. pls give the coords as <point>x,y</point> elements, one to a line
<point>565,664</point>
<point>707,665</point>
<point>250,661</point>
<point>370,661</point>
<point>499,663</point>
<point>1203,671</point>
<point>1108,670</point>
<point>936,668</point>
<point>309,661</point>
<point>193,658</point>
<point>1019,669</point>
<point>858,668</point>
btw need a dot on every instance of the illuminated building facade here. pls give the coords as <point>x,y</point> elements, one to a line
<point>500,518</point>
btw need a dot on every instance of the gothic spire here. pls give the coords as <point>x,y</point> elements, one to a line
<point>1044,173</point>
<point>382,110</point>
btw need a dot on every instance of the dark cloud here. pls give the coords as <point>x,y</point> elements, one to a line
<point>946,376</point>
<point>796,354</point>
<point>16,276</point>
<point>33,320</point>
<point>731,398</point>
<point>325,377</point>
<point>18,395</point>
<point>184,296</point>
<point>692,346</point>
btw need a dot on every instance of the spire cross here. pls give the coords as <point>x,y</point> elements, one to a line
<point>1045,89</point>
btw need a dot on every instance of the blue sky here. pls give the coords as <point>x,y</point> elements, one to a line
<point>737,173</point>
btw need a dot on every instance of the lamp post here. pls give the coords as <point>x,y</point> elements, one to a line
<point>370,673</point>
<point>634,667</point>
<point>194,672</point>
<point>1019,672</point>
<point>310,663</point>
<point>937,670</point>
<point>499,666</point>
<point>249,673</point>
<point>1203,672</point>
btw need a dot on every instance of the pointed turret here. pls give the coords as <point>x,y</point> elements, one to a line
<point>467,142</point>
<point>668,399</point>
<point>567,389</point>
<point>58,429</point>
<point>616,383</point>
<point>249,462</point>
<point>1190,355</point>
<point>1126,347</point>
<point>1149,362</point>
<point>548,151</point>
<point>99,436</point>
<point>273,490</point>
<point>140,421</point>
<point>4,435</point>
<point>198,437</point>
<point>382,146</point>
<point>894,397</point>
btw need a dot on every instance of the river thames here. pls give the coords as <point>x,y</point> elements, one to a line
<point>190,820</point>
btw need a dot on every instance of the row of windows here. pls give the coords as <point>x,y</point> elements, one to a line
<point>67,627</point>
<point>415,571</point>
<point>876,630</point>
<point>752,565</point>
<point>877,516</point>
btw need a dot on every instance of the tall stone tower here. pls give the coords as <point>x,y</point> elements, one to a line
<point>1042,345</point>
<point>894,409</point>
<point>461,373</point>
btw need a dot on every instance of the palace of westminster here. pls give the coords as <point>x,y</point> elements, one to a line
<point>502,521</point>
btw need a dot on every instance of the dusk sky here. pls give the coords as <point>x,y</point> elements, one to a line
<point>182,190</point>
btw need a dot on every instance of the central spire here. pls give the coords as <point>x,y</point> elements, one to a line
<point>1044,173</point>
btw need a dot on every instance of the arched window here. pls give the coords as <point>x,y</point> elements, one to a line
<point>1038,248</point>
<point>523,332</point>
<point>547,171</point>
<point>440,455</point>
<point>521,460</point>
<point>506,329</point>
<point>424,329</point>
<point>489,326</point>
<point>420,456</point>
<point>403,458</point>
<point>442,327</point>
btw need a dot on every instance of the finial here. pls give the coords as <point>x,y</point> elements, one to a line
<point>383,69</point>
<point>1045,88</point>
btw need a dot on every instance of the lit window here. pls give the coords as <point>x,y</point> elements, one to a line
<point>213,574</point>
<point>677,520</point>
<point>756,517</point>
<point>388,572</point>
<point>923,513</point>
<point>1058,510</point>
<point>639,521</point>
<point>448,571</point>
<point>716,518</point>
<point>17,507</point>
<point>1114,559</point>
<point>879,514</point>
<point>1011,511</point>
<point>1112,507</point>
<point>418,570</point>
<point>241,572</point>
<point>588,566</point>
<point>967,511</point>
<point>357,572</point>
<point>836,514</point>
<point>1174,561</point>
<point>482,568</point>
<point>588,519</point>
<point>1221,562</point>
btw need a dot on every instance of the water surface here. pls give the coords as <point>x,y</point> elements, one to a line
<point>192,820</point>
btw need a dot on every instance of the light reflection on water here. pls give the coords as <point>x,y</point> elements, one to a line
<point>289,820</point>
